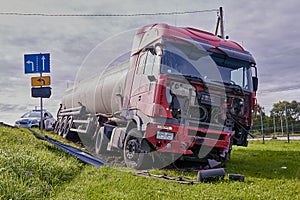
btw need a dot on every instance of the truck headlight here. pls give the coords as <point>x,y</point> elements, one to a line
<point>165,127</point>
<point>161,135</point>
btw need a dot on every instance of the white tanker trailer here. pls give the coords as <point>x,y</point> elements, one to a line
<point>98,94</point>
<point>166,102</point>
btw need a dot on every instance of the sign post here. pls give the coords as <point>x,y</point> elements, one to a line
<point>39,63</point>
<point>41,104</point>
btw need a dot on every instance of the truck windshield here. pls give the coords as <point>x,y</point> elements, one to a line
<point>189,60</point>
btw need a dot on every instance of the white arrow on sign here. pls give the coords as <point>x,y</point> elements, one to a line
<point>29,62</point>
<point>43,59</point>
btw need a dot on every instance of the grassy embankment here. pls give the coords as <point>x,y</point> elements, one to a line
<point>34,169</point>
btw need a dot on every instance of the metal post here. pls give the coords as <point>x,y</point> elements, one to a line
<point>286,124</point>
<point>281,124</point>
<point>41,125</point>
<point>262,126</point>
<point>222,23</point>
<point>42,117</point>
<point>274,125</point>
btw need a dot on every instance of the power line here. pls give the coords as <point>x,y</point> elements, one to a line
<point>107,15</point>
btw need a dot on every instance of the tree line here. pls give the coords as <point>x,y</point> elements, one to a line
<point>284,118</point>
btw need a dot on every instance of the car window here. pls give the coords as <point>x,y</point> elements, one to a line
<point>25,115</point>
<point>49,115</point>
<point>34,114</point>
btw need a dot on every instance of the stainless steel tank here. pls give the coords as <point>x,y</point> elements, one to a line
<point>101,93</point>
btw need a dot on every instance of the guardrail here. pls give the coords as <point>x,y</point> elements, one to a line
<point>76,152</point>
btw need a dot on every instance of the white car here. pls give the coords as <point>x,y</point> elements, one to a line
<point>32,119</point>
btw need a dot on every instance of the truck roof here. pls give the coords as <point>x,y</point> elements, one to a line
<point>209,41</point>
<point>194,33</point>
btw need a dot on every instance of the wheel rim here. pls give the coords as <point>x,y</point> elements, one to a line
<point>132,150</point>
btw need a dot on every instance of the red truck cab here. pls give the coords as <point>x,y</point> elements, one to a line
<point>188,93</point>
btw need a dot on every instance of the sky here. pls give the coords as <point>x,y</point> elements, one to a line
<point>80,46</point>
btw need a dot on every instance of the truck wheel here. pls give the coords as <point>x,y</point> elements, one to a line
<point>67,128</point>
<point>57,124</point>
<point>134,156</point>
<point>101,142</point>
<point>62,125</point>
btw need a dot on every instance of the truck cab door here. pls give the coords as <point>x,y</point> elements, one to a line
<point>145,77</point>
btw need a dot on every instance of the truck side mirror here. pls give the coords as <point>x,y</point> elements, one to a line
<point>255,83</point>
<point>254,77</point>
<point>151,78</point>
<point>151,49</point>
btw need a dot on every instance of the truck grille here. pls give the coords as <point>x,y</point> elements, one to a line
<point>201,134</point>
<point>200,113</point>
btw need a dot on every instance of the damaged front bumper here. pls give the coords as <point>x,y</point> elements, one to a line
<point>187,140</point>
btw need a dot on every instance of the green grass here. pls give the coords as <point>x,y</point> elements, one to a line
<point>30,168</point>
<point>33,169</point>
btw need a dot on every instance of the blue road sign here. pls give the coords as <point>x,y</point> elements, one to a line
<point>43,92</point>
<point>37,63</point>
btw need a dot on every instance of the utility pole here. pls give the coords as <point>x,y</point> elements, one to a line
<point>220,22</point>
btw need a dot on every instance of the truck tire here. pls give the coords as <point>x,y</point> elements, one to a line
<point>67,127</point>
<point>60,122</point>
<point>56,127</point>
<point>62,125</point>
<point>134,156</point>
